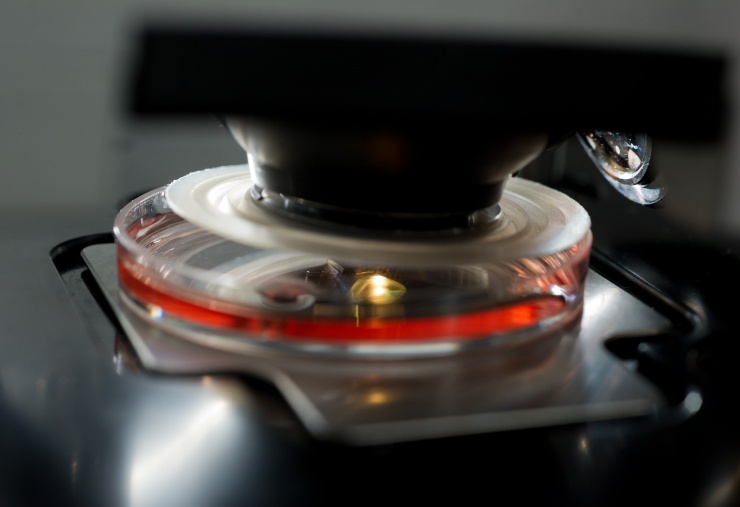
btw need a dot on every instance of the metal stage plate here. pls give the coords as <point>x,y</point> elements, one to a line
<point>564,379</point>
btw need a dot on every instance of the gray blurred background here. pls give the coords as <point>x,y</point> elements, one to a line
<point>67,140</point>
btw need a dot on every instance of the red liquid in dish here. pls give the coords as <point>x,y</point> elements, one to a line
<point>502,319</point>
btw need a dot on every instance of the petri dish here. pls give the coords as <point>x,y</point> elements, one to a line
<point>202,258</point>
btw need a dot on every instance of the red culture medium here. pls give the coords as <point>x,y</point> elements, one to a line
<point>502,319</point>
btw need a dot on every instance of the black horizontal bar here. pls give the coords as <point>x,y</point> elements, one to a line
<point>340,77</point>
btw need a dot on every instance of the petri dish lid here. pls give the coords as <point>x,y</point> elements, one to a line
<point>535,221</point>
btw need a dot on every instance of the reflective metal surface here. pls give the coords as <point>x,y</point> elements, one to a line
<point>77,429</point>
<point>624,160</point>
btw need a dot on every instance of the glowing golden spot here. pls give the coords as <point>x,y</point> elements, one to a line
<point>376,398</point>
<point>376,290</point>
